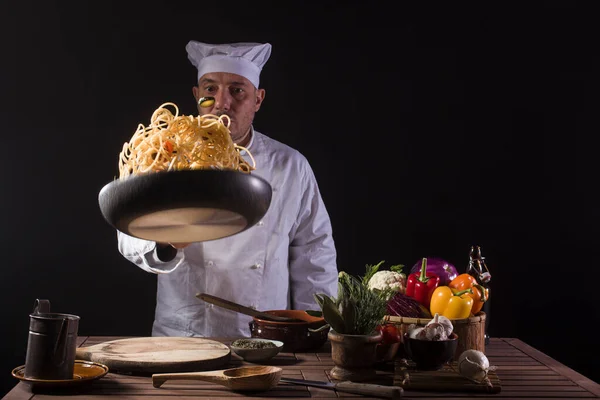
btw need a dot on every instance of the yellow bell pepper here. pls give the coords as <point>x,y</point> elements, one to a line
<point>451,303</point>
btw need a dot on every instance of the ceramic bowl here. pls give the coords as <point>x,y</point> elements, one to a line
<point>296,336</point>
<point>256,354</point>
<point>430,354</point>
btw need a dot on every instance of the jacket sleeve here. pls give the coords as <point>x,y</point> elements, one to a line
<point>312,255</point>
<point>143,254</point>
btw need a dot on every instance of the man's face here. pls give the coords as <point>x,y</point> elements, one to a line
<point>234,96</point>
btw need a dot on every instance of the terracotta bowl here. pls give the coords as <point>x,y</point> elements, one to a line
<point>430,354</point>
<point>296,336</point>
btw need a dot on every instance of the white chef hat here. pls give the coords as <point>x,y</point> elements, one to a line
<point>245,59</point>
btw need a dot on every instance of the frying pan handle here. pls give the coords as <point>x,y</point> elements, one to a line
<point>369,389</point>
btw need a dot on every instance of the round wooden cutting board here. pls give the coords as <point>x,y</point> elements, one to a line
<point>149,355</point>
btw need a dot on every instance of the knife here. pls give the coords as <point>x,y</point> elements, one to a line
<point>368,389</point>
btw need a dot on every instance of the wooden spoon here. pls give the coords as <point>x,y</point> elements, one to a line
<point>230,305</point>
<point>243,378</point>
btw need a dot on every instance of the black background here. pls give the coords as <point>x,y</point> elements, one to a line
<point>429,129</point>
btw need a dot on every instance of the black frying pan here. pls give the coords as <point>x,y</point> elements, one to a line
<point>185,206</point>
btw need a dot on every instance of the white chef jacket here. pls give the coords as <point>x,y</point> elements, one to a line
<point>277,264</point>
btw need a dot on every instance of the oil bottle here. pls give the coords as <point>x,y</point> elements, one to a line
<point>478,270</point>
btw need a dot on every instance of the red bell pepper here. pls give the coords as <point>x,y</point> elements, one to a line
<point>420,285</point>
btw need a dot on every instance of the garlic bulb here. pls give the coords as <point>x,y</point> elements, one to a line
<point>474,365</point>
<point>445,322</point>
<point>436,329</point>
<point>433,332</point>
<point>439,328</point>
<point>414,330</point>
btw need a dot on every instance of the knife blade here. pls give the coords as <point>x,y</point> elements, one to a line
<point>367,389</point>
<point>242,309</point>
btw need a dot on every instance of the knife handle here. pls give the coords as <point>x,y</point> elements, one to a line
<point>369,389</point>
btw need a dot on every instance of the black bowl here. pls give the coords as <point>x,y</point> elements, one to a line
<point>185,206</point>
<point>430,354</point>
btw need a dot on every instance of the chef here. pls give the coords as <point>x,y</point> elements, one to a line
<point>279,263</point>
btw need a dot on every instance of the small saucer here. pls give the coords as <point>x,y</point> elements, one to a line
<point>83,371</point>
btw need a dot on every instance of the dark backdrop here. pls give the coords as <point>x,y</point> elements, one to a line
<point>429,130</point>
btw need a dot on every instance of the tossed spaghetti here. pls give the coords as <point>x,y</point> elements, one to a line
<point>180,142</point>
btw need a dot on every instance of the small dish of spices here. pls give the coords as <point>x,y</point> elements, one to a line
<point>256,349</point>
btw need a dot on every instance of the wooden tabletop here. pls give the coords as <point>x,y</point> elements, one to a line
<point>524,372</point>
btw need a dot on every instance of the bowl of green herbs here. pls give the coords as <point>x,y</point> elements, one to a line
<point>256,349</point>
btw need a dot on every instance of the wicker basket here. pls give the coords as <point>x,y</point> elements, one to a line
<point>470,331</point>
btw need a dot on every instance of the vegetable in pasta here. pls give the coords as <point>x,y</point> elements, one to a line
<point>179,142</point>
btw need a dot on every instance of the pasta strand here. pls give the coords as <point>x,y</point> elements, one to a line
<point>179,142</point>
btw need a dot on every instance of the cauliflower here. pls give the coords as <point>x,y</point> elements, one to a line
<point>383,280</point>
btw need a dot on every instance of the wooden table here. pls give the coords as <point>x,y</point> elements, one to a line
<point>524,372</point>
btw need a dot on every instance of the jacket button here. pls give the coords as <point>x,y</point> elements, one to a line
<point>256,266</point>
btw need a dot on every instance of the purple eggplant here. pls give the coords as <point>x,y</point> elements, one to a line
<point>441,268</point>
